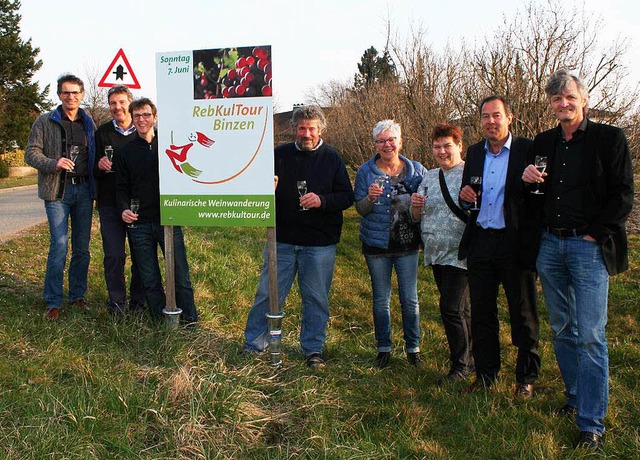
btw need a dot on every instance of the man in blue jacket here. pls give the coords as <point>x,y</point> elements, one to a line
<point>308,228</point>
<point>61,147</point>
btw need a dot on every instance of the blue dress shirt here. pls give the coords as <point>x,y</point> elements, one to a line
<point>494,178</point>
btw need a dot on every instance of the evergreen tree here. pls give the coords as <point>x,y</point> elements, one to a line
<point>374,68</point>
<point>21,100</point>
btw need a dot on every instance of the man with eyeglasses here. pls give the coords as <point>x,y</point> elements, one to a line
<point>61,147</point>
<point>110,138</point>
<point>137,178</point>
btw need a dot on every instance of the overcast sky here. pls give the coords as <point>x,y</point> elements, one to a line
<point>312,42</point>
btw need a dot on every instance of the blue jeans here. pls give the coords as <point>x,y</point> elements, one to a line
<point>314,266</point>
<point>576,283</point>
<point>114,234</point>
<point>407,273</point>
<point>145,239</point>
<point>76,204</point>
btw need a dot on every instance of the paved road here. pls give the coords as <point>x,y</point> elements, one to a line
<point>20,208</point>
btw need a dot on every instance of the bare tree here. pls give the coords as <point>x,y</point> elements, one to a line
<point>514,61</point>
<point>95,100</point>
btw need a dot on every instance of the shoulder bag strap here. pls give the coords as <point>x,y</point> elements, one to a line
<point>460,214</point>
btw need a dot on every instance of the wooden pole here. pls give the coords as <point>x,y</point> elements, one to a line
<point>272,265</point>
<point>171,311</point>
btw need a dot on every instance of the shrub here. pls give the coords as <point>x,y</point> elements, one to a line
<point>15,158</point>
<point>4,169</point>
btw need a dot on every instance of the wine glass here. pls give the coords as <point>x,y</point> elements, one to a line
<point>476,184</point>
<point>108,152</point>
<point>302,191</point>
<point>134,206</point>
<point>379,181</point>
<point>74,151</point>
<point>423,189</point>
<point>541,164</point>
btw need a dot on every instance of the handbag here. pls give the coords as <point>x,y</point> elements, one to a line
<point>460,214</point>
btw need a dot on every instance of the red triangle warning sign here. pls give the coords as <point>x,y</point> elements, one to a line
<point>119,73</point>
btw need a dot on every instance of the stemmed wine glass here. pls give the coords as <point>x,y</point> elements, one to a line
<point>541,164</point>
<point>379,181</point>
<point>134,206</point>
<point>108,152</point>
<point>74,151</point>
<point>302,191</point>
<point>423,189</point>
<point>476,184</point>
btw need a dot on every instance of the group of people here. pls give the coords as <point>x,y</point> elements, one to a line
<point>496,218</point>
<point>517,208</point>
<point>113,165</point>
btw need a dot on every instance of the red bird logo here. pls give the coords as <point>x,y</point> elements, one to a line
<point>178,154</point>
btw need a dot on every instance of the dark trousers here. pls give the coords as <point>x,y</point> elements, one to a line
<point>114,234</point>
<point>145,239</point>
<point>455,312</point>
<point>493,260</point>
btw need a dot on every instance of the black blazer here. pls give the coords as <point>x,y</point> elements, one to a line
<point>514,213</point>
<point>606,175</point>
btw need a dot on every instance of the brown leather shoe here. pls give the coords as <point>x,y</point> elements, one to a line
<point>82,304</point>
<point>52,314</point>
<point>524,391</point>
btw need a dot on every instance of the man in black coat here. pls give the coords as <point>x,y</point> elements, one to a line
<point>110,138</point>
<point>313,189</point>
<point>588,194</point>
<point>491,244</point>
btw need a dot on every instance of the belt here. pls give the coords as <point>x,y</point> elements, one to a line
<point>566,232</point>
<point>492,231</point>
<point>76,180</point>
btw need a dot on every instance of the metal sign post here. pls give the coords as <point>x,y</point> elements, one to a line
<point>274,317</point>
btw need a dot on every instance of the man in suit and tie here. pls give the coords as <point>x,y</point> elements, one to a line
<point>491,245</point>
<point>588,194</point>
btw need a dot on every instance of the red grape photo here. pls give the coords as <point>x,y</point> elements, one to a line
<point>232,72</point>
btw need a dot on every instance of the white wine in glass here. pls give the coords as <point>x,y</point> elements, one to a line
<point>423,189</point>
<point>108,152</point>
<point>379,181</point>
<point>74,151</point>
<point>541,164</point>
<point>134,206</point>
<point>302,191</point>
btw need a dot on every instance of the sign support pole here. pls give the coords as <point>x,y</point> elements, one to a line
<point>274,317</point>
<point>171,311</point>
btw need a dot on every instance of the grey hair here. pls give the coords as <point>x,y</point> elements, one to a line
<point>308,112</point>
<point>558,81</point>
<point>120,89</point>
<point>387,125</point>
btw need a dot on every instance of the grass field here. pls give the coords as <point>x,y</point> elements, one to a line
<point>94,387</point>
<point>10,182</point>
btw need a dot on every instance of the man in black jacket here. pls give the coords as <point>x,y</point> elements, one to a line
<point>137,178</point>
<point>588,194</point>
<point>491,244</point>
<point>110,137</point>
<point>313,188</point>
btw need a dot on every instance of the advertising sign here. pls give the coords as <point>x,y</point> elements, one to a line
<point>215,137</point>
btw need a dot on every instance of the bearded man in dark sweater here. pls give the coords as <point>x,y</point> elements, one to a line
<point>137,177</point>
<point>110,137</point>
<point>313,189</point>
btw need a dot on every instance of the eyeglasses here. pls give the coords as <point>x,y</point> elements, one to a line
<point>137,116</point>
<point>70,93</point>
<point>390,140</point>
